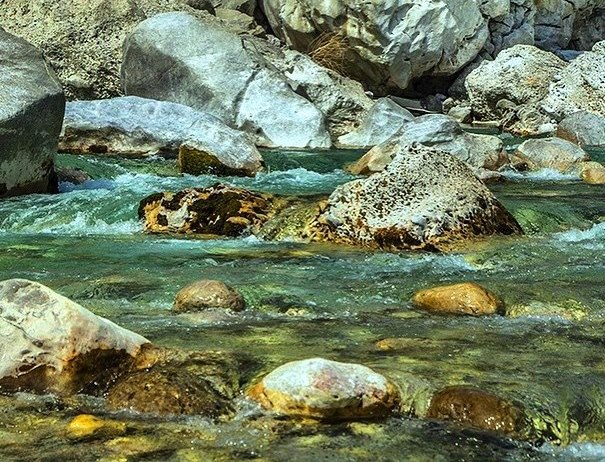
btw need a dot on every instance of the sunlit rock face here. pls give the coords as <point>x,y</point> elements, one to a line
<point>424,199</point>
<point>31,112</point>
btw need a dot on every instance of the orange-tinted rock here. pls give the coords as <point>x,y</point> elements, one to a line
<point>476,408</point>
<point>326,390</point>
<point>593,173</point>
<point>467,298</point>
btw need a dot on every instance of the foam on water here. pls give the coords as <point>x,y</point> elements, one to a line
<point>577,235</point>
<point>546,174</point>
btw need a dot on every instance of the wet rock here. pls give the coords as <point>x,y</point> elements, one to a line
<point>592,173</point>
<point>578,87</point>
<point>175,57</point>
<point>583,128</point>
<point>86,425</point>
<point>382,121</point>
<point>571,310</point>
<point>424,199</point>
<point>489,176</point>
<point>52,344</point>
<point>476,408</point>
<point>521,74</point>
<point>441,132</point>
<point>31,112</point>
<point>165,381</point>
<point>83,40</point>
<point>327,390</point>
<point>208,294</point>
<point>218,210</point>
<point>386,44</point>
<point>133,126</point>
<point>553,153</point>
<point>74,176</point>
<point>466,298</point>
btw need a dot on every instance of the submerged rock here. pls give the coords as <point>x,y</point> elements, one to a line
<point>51,344</point>
<point>326,390</point>
<point>218,210</point>
<point>477,408</point>
<point>553,153</point>
<point>31,112</point>
<point>579,87</point>
<point>382,121</point>
<point>86,425</point>
<point>584,129</point>
<point>175,57</point>
<point>424,199</point>
<point>466,298</point>
<point>133,126</point>
<point>166,381</point>
<point>208,294</point>
<point>441,132</point>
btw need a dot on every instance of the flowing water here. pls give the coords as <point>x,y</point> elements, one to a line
<point>309,300</point>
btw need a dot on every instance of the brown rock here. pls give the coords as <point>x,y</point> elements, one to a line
<point>218,210</point>
<point>326,390</point>
<point>476,408</point>
<point>593,173</point>
<point>207,294</point>
<point>466,298</point>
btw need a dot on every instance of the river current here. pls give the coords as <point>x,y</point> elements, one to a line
<point>307,300</point>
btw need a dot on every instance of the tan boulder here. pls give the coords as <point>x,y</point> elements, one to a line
<point>326,390</point>
<point>208,294</point>
<point>593,173</point>
<point>466,298</point>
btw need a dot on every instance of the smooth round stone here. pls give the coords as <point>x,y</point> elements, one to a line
<point>208,294</point>
<point>466,298</point>
<point>327,390</point>
<point>593,173</point>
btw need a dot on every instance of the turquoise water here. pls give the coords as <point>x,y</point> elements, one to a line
<point>320,300</point>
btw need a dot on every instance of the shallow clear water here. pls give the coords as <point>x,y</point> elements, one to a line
<point>320,300</point>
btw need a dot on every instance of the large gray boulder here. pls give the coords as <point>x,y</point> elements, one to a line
<point>583,128</point>
<point>382,121</point>
<point>51,344</point>
<point>83,39</point>
<point>424,199</point>
<point>443,133</point>
<point>387,44</point>
<point>175,57</point>
<point>519,75</point>
<point>31,112</point>
<point>134,126</point>
<point>551,153</point>
<point>578,87</point>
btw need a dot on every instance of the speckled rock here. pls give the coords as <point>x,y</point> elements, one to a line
<point>83,39</point>
<point>166,381</point>
<point>424,199</point>
<point>382,121</point>
<point>521,75</point>
<point>553,153</point>
<point>592,173</point>
<point>441,132</point>
<point>579,87</point>
<point>31,112</point>
<point>132,126</point>
<point>175,57</point>
<point>52,344</point>
<point>466,298</point>
<point>327,390</point>
<point>584,129</point>
<point>478,409</point>
<point>207,294</point>
<point>217,210</point>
